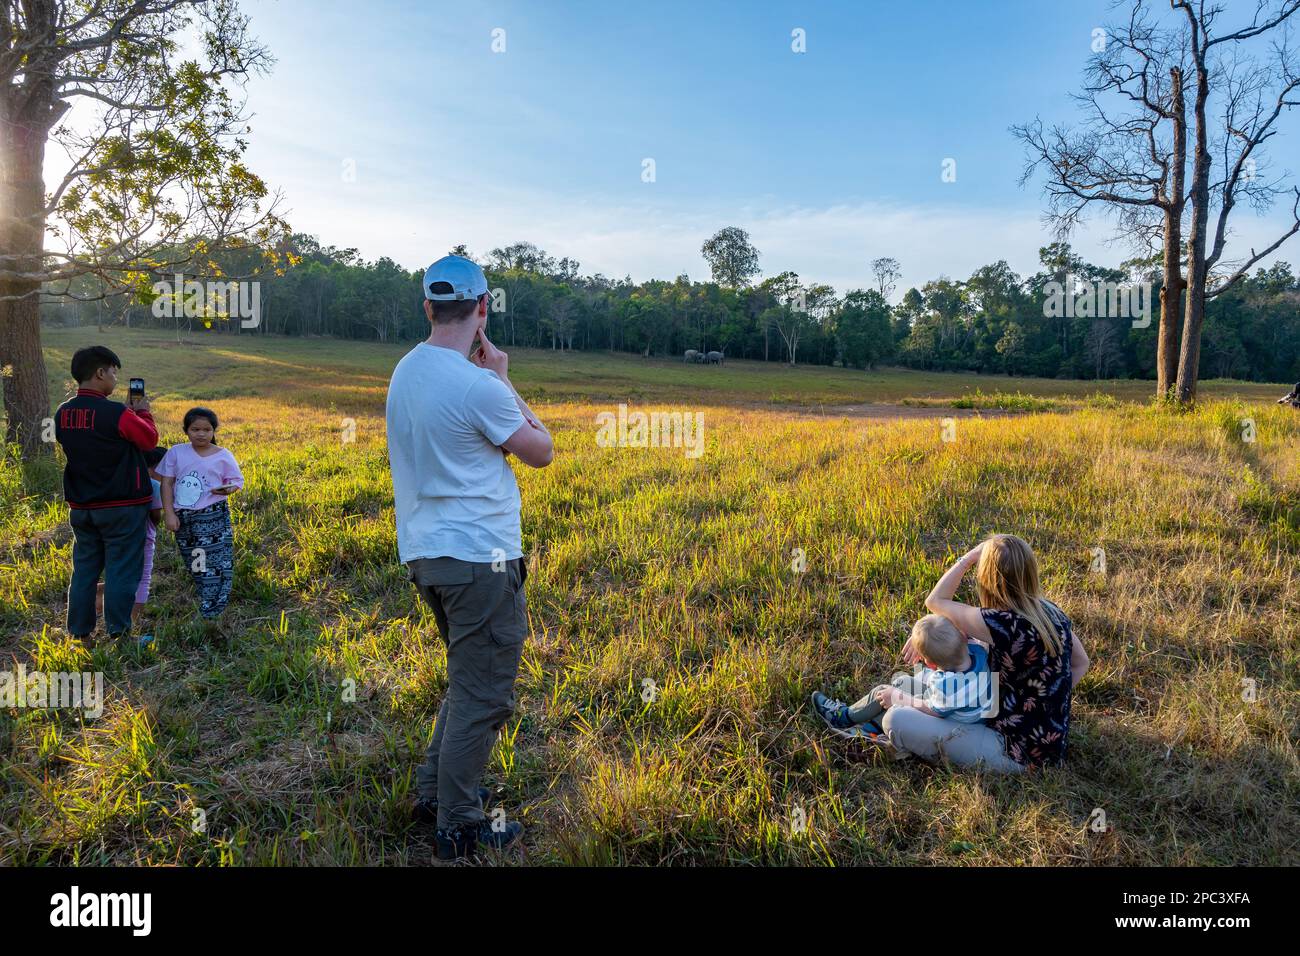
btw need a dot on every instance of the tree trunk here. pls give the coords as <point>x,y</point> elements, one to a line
<point>1171,297</point>
<point>1194,311</point>
<point>1171,293</point>
<point>22,234</point>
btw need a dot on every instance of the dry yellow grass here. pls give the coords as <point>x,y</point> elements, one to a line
<point>649,565</point>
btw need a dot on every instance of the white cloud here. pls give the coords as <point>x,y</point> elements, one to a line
<point>833,244</point>
<point>413,207</point>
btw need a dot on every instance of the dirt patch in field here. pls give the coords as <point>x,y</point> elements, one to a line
<point>884,411</point>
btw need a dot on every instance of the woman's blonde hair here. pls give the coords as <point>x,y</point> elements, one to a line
<point>1007,580</point>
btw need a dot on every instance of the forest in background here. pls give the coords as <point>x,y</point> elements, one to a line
<point>990,322</point>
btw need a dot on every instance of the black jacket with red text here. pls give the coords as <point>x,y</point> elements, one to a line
<point>104,443</point>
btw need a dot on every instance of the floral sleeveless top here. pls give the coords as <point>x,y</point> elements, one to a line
<point>1033,687</point>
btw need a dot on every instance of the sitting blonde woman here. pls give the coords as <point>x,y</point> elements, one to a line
<point>1032,651</point>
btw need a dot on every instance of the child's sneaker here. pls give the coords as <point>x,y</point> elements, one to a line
<point>836,715</point>
<point>868,732</point>
<point>871,733</point>
<point>834,712</point>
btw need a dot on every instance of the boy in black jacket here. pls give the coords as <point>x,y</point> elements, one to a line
<point>106,483</point>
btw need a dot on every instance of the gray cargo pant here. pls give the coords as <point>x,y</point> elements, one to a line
<point>937,738</point>
<point>483,620</point>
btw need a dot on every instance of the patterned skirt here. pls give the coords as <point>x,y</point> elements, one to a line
<point>207,546</point>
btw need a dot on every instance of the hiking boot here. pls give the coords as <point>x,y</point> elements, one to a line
<point>466,840</point>
<point>425,809</point>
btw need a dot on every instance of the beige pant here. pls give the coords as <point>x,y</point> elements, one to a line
<point>935,738</point>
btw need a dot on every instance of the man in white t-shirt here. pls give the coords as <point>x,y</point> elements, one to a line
<point>453,417</point>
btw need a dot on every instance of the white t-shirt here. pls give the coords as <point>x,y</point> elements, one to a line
<point>453,490</point>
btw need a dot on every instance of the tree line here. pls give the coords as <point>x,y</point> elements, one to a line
<point>994,321</point>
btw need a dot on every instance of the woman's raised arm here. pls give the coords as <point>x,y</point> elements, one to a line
<point>968,619</point>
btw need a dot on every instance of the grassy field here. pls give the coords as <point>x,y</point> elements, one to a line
<point>649,565</point>
<point>353,375</point>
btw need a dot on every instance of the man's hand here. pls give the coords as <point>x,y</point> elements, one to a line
<point>490,357</point>
<point>138,403</point>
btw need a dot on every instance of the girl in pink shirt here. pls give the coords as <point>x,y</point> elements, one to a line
<point>197,478</point>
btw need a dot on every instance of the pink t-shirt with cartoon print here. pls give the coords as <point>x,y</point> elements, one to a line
<point>196,475</point>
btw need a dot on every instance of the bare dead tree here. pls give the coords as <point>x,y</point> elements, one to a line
<point>1127,157</point>
<point>1130,154</point>
<point>886,271</point>
<point>1254,95</point>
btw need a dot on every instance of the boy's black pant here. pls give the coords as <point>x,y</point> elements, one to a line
<point>108,540</point>
<point>482,617</point>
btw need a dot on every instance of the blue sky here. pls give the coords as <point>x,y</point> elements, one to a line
<point>828,158</point>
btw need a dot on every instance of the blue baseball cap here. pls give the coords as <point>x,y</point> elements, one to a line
<point>455,278</point>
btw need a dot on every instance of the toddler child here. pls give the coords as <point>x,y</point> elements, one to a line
<point>955,684</point>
